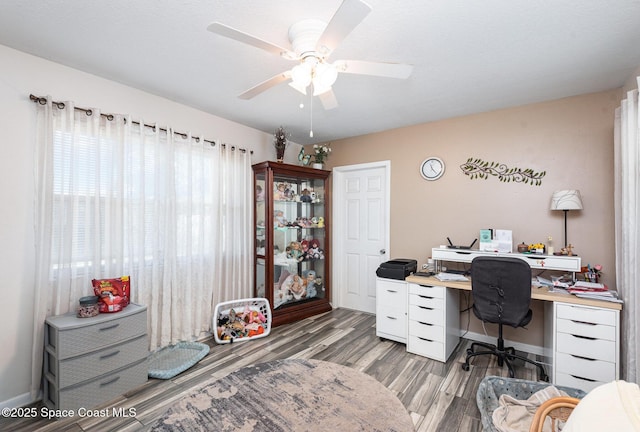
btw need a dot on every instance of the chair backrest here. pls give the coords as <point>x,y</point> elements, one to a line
<point>501,289</point>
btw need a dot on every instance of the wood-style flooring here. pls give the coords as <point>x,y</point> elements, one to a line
<point>439,396</point>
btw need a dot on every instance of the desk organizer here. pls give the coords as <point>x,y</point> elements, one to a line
<point>240,320</point>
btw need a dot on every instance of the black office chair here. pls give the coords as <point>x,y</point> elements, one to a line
<point>501,289</point>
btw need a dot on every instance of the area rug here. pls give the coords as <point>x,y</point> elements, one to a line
<point>289,396</point>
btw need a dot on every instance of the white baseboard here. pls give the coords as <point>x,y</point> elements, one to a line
<point>481,337</point>
<point>19,401</point>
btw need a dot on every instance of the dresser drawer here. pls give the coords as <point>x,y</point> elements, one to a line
<point>597,349</point>
<point>426,331</point>
<point>426,314</point>
<point>425,347</point>
<point>581,328</point>
<point>597,370</point>
<point>77,336</point>
<point>587,315</point>
<point>427,290</point>
<point>99,390</point>
<point>429,302</point>
<point>77,369</point>
<point>564,379</point>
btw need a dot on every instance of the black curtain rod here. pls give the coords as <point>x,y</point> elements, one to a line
<point>60,105</point>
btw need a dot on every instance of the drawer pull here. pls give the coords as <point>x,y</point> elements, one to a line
<point>425,339</point>
<point>535,258</point>
<point>111,381</point>
<point>392,291</point>
<point>582,378</point>
<point>582,358</point>
<point>583,322</point>
<point>110,327</point>
<point>425,297</point>
<point>424,323</point>
<point>390,317</point>
<point>584,337</point>
<point>106,356</point>
<point>463,253</point>
<point>424,307</point>
<point>426,286</point>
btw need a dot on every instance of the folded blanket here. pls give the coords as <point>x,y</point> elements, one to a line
<point>514,415</point>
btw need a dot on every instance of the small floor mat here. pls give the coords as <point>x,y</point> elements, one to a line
<point>169,361</point>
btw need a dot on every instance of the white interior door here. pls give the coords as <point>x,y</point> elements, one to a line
<point>360,232</point>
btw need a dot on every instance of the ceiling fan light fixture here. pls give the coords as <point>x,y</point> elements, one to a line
<point>324,77</point>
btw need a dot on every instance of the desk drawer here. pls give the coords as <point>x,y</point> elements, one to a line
<point>391,293</point>
<point>597,370</point>
<point>426,314</point>
<point>427,290</point>
<point>586,314</point>
<point>426,347</point>
<point>426,331</point>
<point>581,328</point>
<point>564,379</point>
<point>565,263</point>
<point>429,302</point>
<point>597,349</point>
<point>391,323</point>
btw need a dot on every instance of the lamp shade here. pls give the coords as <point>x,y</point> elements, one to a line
<point>569,199</point>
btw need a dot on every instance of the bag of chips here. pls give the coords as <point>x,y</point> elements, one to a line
<point>113,293</point>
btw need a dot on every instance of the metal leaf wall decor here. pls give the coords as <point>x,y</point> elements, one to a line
<point>477,168</point>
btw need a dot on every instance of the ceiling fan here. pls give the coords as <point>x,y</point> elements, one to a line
<point>312,42</point>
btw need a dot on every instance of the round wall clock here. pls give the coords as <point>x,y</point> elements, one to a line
<point>432,168</point>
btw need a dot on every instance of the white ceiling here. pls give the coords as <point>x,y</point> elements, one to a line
<point>468,56</point>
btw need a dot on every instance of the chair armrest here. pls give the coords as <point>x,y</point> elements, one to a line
<point>558,408</point>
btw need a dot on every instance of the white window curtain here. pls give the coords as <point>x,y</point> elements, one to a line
<point>116,197</point>
<point>627,230</point>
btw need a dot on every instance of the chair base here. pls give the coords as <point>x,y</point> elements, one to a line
<point>505,355</point>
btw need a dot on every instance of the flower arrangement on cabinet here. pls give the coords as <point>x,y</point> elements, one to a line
<point>321,153</point>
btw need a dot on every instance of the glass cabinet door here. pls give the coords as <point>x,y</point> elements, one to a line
<point>298,240</point>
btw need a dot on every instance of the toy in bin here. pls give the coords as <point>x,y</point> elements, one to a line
<point>240,320</point>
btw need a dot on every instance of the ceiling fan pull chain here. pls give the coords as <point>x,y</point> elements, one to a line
<point>311,114</point>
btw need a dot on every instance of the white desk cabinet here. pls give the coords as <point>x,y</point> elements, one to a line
<point>433,321</point>
<point>584,343</point>
<point>391,309</point>
<point>89,361</point>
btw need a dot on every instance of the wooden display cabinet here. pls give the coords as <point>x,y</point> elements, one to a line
<point>292,231</point>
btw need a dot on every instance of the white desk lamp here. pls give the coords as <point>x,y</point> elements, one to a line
<point>566,200</point>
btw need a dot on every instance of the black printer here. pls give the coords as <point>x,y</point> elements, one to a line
<point>398,268</point>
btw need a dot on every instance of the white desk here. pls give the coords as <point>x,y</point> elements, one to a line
<point>581,336</point>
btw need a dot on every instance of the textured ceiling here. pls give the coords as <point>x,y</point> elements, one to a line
<point>468,56</point>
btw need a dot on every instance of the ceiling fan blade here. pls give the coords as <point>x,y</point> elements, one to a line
<point>266,85</point>
<point>390,70</point>
<point>347,17</point>
<point>328,100</point>
<point>231,33</point>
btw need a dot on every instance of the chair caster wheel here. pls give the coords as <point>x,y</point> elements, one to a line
<point>469,351</point>
<point>544,377</point>
<point>465,367</point>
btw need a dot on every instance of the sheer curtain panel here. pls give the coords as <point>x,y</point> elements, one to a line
<point>627,197</point>
<point>116,197</point>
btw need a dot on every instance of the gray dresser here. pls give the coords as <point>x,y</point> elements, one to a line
<point>89,361</point>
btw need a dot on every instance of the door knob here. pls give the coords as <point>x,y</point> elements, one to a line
<point>383,251</point>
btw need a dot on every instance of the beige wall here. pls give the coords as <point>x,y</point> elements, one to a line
<point>571,139</point>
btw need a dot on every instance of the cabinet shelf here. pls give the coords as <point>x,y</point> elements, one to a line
<point>292,247</point>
